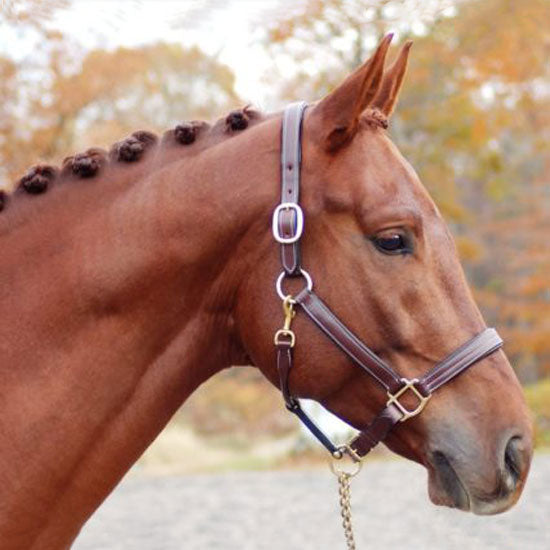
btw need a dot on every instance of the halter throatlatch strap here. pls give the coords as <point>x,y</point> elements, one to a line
<point>288,224</point>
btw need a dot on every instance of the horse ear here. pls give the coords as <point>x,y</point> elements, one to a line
<point>338,113</point>
<point>391,84</point>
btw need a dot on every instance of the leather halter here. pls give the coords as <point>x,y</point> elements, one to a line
<point>288,225</point>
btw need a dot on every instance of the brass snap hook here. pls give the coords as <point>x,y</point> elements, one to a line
<point>286,335</point>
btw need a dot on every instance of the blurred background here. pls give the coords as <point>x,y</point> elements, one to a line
<point>473,119</point>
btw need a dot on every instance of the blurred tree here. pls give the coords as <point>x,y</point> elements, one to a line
<point>488,119</point>
<point>26,21</point>
<point>8,119</point>
<point>328,38</point>
<point>60,98</point>
<point>103,97</point>
<point>244,405</point>
<point>116,92</point>
<point>30,13</point>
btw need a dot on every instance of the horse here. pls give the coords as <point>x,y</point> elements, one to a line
<point>131,276</point>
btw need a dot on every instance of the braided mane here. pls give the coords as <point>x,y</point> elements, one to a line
<point>186,138</point>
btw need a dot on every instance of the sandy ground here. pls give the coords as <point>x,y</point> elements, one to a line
<point>287,510</point>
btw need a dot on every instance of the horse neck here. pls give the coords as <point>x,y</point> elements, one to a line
<point>110,322</point>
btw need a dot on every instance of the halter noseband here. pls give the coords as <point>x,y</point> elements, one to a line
<point>288,225</point>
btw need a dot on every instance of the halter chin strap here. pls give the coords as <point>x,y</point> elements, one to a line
<point>288,226</point>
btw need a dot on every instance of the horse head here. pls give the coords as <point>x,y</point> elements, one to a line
<point>382,257</point>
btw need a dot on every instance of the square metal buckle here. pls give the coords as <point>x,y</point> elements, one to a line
<point>299,223</point>
<point>394,399</point>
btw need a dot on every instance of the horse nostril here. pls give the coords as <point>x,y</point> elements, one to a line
<point>514,459</point>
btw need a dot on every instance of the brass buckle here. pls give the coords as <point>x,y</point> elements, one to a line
<point>394,399</point>
<point>281,334</point>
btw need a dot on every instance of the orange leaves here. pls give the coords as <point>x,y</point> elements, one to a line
<point>30,12</point>
<point>468,249</point>
<point>98,99</point>
<point>513,37</point>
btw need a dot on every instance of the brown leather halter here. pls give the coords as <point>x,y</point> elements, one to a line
<point>288,225</point>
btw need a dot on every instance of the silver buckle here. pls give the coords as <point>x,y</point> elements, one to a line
<point>299,222</point>
<point>394,399</point>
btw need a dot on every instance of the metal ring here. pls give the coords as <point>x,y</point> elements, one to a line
<point>281,277</point>
<point>353,470</point>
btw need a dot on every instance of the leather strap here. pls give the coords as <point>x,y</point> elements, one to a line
<point>327,321</point>
<point>313,428</point>
<point>482,345</point>
<point>291,153</point>
<point>376,431</point>
<point>485,343</point>
<point>284,366</point>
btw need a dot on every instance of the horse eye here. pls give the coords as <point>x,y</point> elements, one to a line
<point>392,243</point>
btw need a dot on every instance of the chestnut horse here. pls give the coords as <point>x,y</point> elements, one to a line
<point>142,272</point>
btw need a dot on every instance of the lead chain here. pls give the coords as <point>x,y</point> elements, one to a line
<point>345,505</point>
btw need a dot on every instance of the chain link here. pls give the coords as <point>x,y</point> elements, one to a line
<point>345,505</point>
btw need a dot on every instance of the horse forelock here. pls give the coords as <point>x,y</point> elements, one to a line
<point>375,119</point>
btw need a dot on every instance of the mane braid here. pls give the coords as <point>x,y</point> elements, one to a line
<point>240,118</point>
<point>186,133</point>
<point>132,148</point>
<point>87,164</point>
<point>38,179</point>
<point>95,161</point>
<point>237,120</point>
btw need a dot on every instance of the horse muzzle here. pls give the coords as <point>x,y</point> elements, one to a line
<point>471,479</point>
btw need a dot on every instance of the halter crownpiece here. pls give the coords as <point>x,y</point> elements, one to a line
<point>288,227</point>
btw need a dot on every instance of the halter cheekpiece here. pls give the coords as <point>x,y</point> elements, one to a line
<point>288,228</point>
